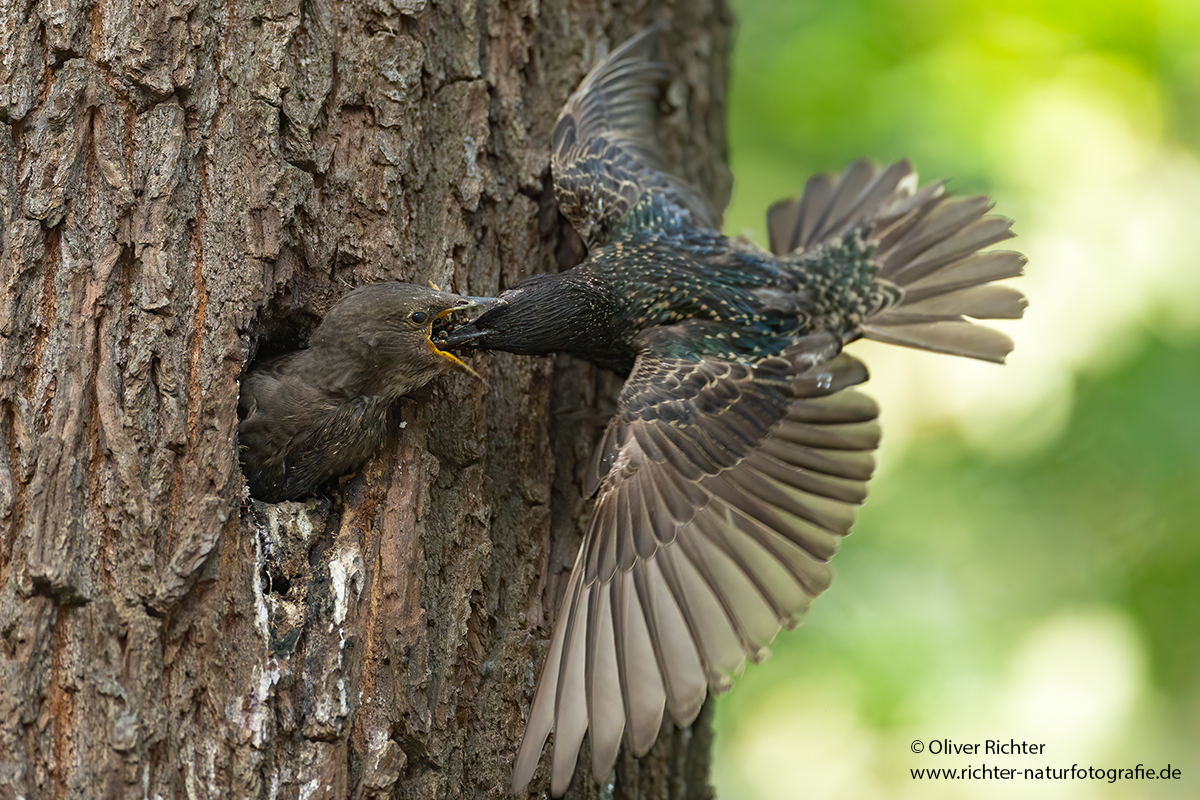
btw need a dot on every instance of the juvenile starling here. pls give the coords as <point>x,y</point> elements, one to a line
<point>739,453</point>
<point>319,413</point>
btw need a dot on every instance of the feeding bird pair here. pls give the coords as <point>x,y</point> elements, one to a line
<point>740,450</point>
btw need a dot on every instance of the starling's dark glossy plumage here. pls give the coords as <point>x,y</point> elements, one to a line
<point>319,413</point>
<point>739,453</point>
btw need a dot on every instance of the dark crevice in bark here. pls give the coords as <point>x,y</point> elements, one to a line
<point>279,328</point>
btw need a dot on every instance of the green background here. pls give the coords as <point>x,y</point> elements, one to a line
<point>1028,564</point>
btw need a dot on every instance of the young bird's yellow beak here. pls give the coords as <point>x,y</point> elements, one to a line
<point>471,304</point>
<point>453,359</point>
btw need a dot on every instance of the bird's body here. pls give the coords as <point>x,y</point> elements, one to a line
<point>646,277</point>
<point>319,413</point>
<point>740,450</point>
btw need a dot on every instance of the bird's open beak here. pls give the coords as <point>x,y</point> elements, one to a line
<point>453,359</point>
<point>467,304</point>
<point>468,333</point>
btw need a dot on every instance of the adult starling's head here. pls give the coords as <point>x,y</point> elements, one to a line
<point>377,339</point>
<point>567,312</point>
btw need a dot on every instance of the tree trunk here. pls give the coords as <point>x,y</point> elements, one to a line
<point>185,186</point>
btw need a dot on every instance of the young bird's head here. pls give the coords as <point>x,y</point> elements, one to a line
<point>377,340</point>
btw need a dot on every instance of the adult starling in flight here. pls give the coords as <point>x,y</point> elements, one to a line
<point>319,413</point>
<point>739,453</point>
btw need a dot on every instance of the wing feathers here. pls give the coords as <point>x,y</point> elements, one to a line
<point>826,379</point>
<point>788,577</point>
<point>604,153</point>
<point>678,662</point>
<point>760,564</point>
<point>641,682</point>
<point>845,406</point>
<point>900,266</point>
<point>854,436</point>
<point>645,539</point>
<point>852,466</point>
<point>721,644</point>
<point>740,601</point>
<point>823,485</point>
<point>570,706</point>
<point>682,588</point>
<point>804,552</point>
<point>542,712</point>
<point>605,707</point>
<point>720,502</point>
<point>893,183</point>
<point>941,222</point>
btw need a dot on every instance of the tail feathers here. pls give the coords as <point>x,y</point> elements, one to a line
<point>954,338</point>
<point>925,242</point>
<point>831,207</point>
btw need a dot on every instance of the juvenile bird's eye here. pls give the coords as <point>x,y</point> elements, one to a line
<point>419,317</point>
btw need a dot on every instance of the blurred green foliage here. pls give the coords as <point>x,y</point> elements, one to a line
<point>968,565</point>
<point>817,84</point>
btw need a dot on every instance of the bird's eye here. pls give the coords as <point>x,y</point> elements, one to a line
<point>419,317</point>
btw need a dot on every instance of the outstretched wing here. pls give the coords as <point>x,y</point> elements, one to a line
<point>724,489</point>
<point>927,242</point>
<point>605,155</point>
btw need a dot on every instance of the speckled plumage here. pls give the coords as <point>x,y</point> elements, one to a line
<point>740,450</point>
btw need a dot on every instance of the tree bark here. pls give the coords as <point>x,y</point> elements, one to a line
<point>187,185</point>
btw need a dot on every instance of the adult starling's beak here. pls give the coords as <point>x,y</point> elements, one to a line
<point>464,304</point>
<point>467,303</point>
<point>468,333</point>
<point>463,334</point>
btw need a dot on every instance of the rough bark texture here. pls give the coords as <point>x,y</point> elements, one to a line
<point>185,185</point>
